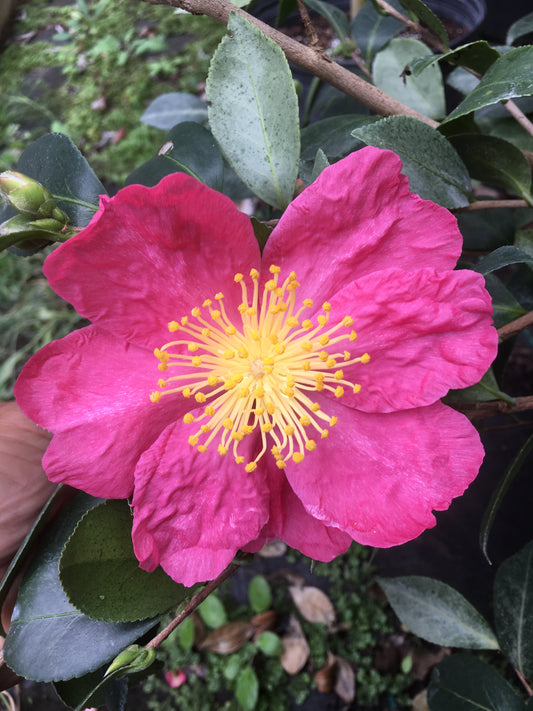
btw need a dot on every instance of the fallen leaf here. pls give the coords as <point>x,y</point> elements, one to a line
<point>324,678</point>
<point>228,638</point>
<point>314,605</point>
<point>295,648</point>
<point>345,684</point>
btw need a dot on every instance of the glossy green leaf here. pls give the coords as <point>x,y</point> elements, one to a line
<point>427,17</point>
<point>270,644</point>
<point>82,690</point>
<point>524,241</point>
<point>433,167</point>
<point>247,689</point>
<point>476,55</point>
<point>321,162</point>
<point>487,389</point>
<point>506,307</point>
<point>190,148</point>
<point>100,573</point>
<point>334,15</point>
<point>253,111</point>
<point>521,27</point>
<point>437,613</point>
<point>513,603</point>
<point>371,30</point>
<point>259,594</point>
<point>462,81</point>
<point>464,683</point>
<point>502,257</point>
<point>496,162</point>
<point>499,493</point>
<point>49,640</point>
<point>176,107</point>
<point>185,633</point>
<point>334,136</point>
<point>424,92</point>
<point>55,162</point>
<point>212,611</point>
<point>508,78</point>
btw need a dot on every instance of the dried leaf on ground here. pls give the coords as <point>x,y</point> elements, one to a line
<point>295,648</point>
<point>228,638</point>
<point>345,684</point>
<point>314,605</point>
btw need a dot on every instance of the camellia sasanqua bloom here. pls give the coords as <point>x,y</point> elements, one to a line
<point>238,398</point>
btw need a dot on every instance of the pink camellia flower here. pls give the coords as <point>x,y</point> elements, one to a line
<point>293,395</point>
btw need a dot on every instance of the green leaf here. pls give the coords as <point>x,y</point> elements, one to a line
<point>463,683</point>
<point>55,162</point>
<point>320,163</point>
<point>499,493</point>
<point>425,92</point>
<point>259,594</point>
<point>176,107</point>
<point>437,613</point>
<point>487,389</point>
<point>190,148</point>
<point>521,27</point>
<point>74,691</point>
<point>502,257</point>
<point>495,162</point>
<point>100,573</point>
<point>247,689</point>
<point>270,644</point>
<point>334,136</point>
<point>371,30</point>
<point>513,603</point>
<point>486,230</point>
<point>508,78</point>
<point>334,15</point>
<point>49,640</point>
<point>185,633</point>
<point>506,307</point>
<point>212,611</point>
<point>433,167</point>
<point>524,241</point>
<point>254,111</point>
<point>427,17</point>
<point>477,56</point>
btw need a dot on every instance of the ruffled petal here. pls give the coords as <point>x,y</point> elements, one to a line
<point>357,218</point>
<point>425,331</point>
<point>192,511</point>
<point>378,477</point>
<point>152,254</point>
<point>290,522</point>
<point>93,392</point>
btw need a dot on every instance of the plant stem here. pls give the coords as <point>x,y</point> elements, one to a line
<point>306,58</point>
<point>193,603</point>
<point>478,410</point>
<point>426,34</point>
<point>518,115</point>
<point>515,326</point>
<point>524,682</point>
<point>491,205</point>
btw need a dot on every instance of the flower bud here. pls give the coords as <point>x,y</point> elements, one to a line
<point>132,659</point>
<point>25,195</point>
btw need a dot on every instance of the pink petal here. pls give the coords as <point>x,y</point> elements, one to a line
<point>378,477</point>
<point>92,391</point>
<point>426,332</point>
<point>359,217</point>
<point>192,511</point>
<point>151,254</point>
<point>290,522</point>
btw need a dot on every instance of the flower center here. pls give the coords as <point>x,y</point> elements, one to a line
<point>261,376</point>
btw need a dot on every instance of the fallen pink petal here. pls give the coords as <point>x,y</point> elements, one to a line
<point>238,397</point>
<point>176,678</point>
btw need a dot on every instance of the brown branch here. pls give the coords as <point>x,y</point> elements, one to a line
<point>430,38</point>
<point>518,115</point>
<point>513,327</point>
<point>477,410</point>
<point>524,682</point>
<point>192,605</point>
<point>306,58</point>
<point>308,25</point>
<point>491,205</point>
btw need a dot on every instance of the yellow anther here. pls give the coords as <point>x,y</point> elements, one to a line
<point>192,346</point>
<point>212,380</point>
<point>298,457</point>
<point>205,429</point>
<point>200,397</point>
<point>242,308</point>
<point>251,467</point>
<point>258,411</point>
<point>270,285</point>
<point>210,411</point>
<point>307,324</point>
<point>259,392</point>
<point>280,464</point>
<point>188,418</point>
<point>162,383</point>
<point>163,356</point>
<point>202,448</point>
<point>339,375</point>
<point>193,439</point>
<point>242,352</point>
<point>222,450</point>
<point>238,436</point>
<point>195,312</point>
<point>347,321</point>
<point>255,335</point>
<point>356,388</point>
<point>254,273</point>
<point>270,408</point>
<point>228,424</point>
<point>155,396</point>
<point>273,338</point>
<point>187,392</point>
<point>315,407</point>
<point>324,340</point>
<point>347,355</point>
<point>275,451</point>
<point>247,429</point>
<point>292,322</point>
<point>196,360</point>
<point>230,330</point>
<point>289,430</point>
<point>162,367</point>
<point>308,303</point>
<point>207,303</point>
<point>268,360</point>
<point>365,358</point>
<point>305,421</point>
<point>279,292</point>
<point>324,434</point>
<point>184,320</point>
<point>308,347</point>
<point>310,445</point>
<point>289,392</point>
<point>215,314</point>
<point>339,391</point>
<point>173,326</point>
<point>333,421</point>
<point>239,460</point>
<point>331,363</point>
<point>322,319</point>
<point>353,336</point>
<point>306,365</point>
<point>323,355</point>
<point>219,296</point>
<point>326,306</point>
<point>238,277</point>
<point>267,427</point>
<point>274,309</point>
<point>250,311</point>
<point>273,269</point>
<point>229,354</point>
<point>279,348</point>
<point>244,392</point>
<point>319,377</point>
<point>206,333</point>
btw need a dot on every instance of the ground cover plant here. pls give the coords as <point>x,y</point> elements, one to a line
<point>278,331</point>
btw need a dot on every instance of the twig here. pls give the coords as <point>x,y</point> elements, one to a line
<point>515,326</point>
<point>518,115</point>
<point>524,682</point>
<point>477,410</point>
<point>491,205</point>
<point>427,34</point>
<point>193,604</point>
<point>308,25</point>
<point>306,58</point>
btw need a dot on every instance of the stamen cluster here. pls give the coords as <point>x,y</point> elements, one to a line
<point>261,376</point>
